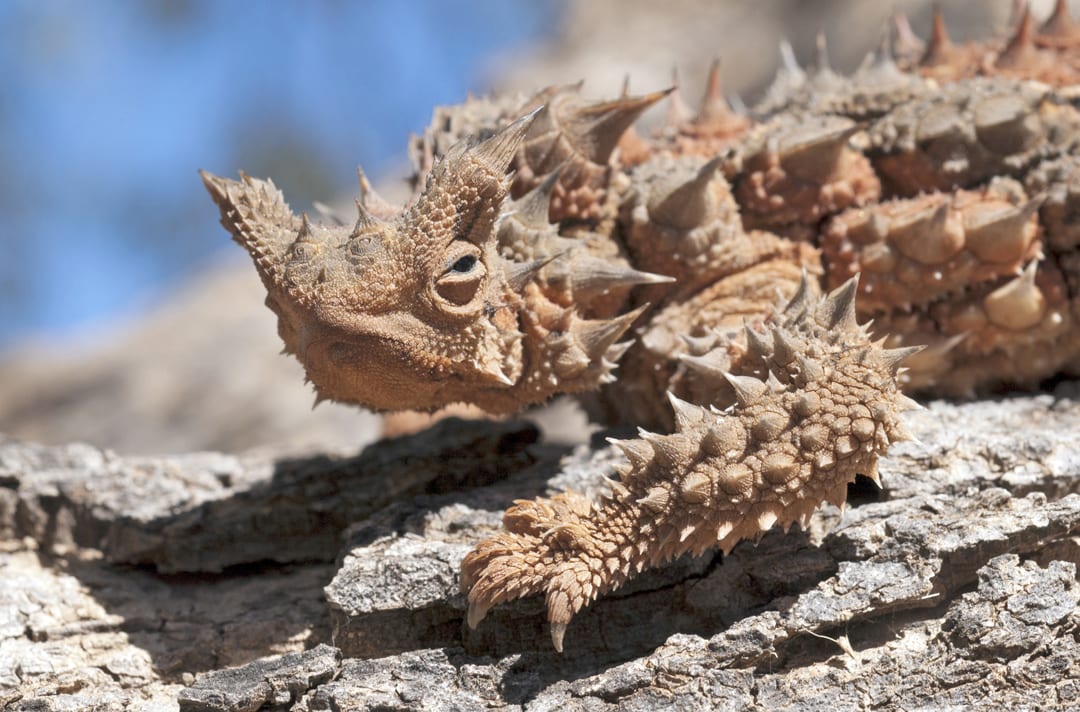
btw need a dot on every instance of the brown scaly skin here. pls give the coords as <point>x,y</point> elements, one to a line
<point>420,311</point>
<point>827,407</point>
<point>936,190</point>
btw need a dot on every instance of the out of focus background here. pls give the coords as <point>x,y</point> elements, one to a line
<point>127,318</point>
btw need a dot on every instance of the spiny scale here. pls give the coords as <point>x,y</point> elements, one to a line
<point>569,253</point>
<point>718,479</point>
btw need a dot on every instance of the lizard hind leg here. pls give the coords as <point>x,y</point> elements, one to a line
<point>826,410</point>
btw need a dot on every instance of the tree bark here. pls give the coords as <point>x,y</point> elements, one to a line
<point>195,581</point>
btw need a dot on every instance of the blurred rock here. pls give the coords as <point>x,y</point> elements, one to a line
<point>201,372</point>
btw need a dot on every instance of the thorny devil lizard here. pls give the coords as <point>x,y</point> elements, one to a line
<point>935,190</point>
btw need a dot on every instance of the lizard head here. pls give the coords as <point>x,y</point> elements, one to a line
<point>412,311</point>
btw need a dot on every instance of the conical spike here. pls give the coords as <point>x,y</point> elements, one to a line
<point>951,343</point>
<point>638,452</point>
<point>305,228</point>
<point>327,213</point>
<point>714,108</point>
<point>906,44</point>
<point>1018,304</point>
<point>696,487</point>
<point>774,384</point>
<point>758,347</point>
<point>494,370</point>
<point>747,388</point>
<point>811,370</point>
<point>372,200</point>
<point>705,365</point>
<point>598,334</point>
<point>892,358</point>
<point>784,346</point>
<point>999,235</point>
<point>738,106</point>
<point>820,146</point>
<point>883,62</point>
<point>616,351</point>
<point>364,220</point>
<point>940,46</point>
<point>657,499</point>
<point>618,489</point>
<point>686,414</point>
<point>822,47</point>
<point>1021,43</point>
<point>596,129</point>
<point>923,235</point>
<point>595,274</point>
<point>838,309</point>
<point>904,404</point>
<point>797,304</point>
<point>678,112</point>
<point>900,433</point>
<point>532,208</point>
<point>789,77</point>
<point>699,344</point>
<point>498,151</point>
<point>1060,25</point>
<point>518,274</point>
<point>689,205</point>
<point>788,63</point>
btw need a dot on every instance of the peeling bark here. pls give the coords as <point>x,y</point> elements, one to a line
<point>954,585</point>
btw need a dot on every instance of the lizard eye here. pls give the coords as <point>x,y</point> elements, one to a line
<point>464,264</point>
<point>461,282</point>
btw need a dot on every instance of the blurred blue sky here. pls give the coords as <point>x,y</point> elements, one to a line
<point>108,108</point>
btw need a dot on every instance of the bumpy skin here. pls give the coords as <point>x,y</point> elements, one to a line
<point>825,410</point>
<point>940,176</point>
<point>420,310</point>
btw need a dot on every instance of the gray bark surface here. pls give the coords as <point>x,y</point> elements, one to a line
<point>218,582</point>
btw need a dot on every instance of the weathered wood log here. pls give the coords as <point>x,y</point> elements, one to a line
<point>954,585</point>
